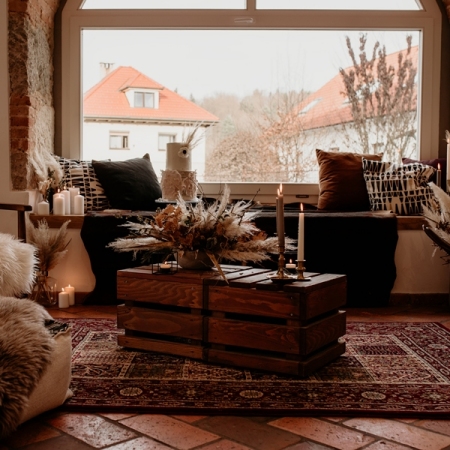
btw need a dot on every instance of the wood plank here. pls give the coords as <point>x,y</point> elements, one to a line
<point>152,345</point>
<point>55,221</point>
<point>320,333</point>
<point>168,323</point>
<point>155,291</point>
<point>261,336</point>
<point>320,359</point>
<point>319,281</point>
<point>251,301</point>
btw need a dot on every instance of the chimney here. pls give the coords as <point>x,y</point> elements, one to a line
<point>105,69</point>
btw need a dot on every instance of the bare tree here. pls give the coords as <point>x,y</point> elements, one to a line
<point>383,101</point>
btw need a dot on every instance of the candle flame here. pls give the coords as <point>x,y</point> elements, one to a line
<point>290,261</point>
<point>62,289</point>
<point>301,206</point>
<point>280,191</point>
<point>439,166</point>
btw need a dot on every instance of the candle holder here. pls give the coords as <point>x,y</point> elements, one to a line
<point>282,275</point>
<point>300,270</point>
<point>168,266</point>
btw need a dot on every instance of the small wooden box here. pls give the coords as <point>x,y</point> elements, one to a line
<point>249,322</point>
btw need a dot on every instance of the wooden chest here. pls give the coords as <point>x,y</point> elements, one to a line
<point>250,322</point>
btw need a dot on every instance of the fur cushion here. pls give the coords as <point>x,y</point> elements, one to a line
<point>17,263</point>
<point>25,352</point>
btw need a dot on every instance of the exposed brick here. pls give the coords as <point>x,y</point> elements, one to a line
<point>19,133</point>
<point>18,111</point>
<point>18,5</point>
<point>20,121</point>
<point>20,100</point>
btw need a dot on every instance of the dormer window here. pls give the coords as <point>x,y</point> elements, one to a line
<point>144,100</point>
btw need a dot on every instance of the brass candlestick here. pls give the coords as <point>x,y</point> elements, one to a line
<point>300,270</point>
<point>282,275</point>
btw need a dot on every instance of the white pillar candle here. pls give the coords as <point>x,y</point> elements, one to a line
<point>58,205</point>
<point>280,216</point>
<point>71,291</point>
<point>73,191</point>
<point>290,265</point>
<point>78,207</point>
<point>43,208</point>
<point>301,235</point>
<point>63,299</point>
<point>66,194</point>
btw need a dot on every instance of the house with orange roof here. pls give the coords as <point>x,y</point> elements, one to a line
<point>326,118</point>
<point>128,114</point>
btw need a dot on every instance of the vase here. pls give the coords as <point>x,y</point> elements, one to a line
<point>195,260</point>
<point>44,289</point>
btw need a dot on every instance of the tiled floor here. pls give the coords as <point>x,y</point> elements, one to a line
<point>54,431</point>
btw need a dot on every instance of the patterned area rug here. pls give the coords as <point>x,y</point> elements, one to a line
<point>399,369</point>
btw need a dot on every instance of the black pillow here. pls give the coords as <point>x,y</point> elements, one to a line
<point>130,184</point>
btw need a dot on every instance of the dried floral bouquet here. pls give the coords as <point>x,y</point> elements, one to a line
<point>221,230</point>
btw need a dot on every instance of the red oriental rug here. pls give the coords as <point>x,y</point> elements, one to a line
<point>398,369</point>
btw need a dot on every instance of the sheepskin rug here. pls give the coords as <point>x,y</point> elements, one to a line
<point>25,352</point>
<point>17,264</point>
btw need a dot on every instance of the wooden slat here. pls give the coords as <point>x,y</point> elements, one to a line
<point>56,221</point>
<point>167,323</point>
<point>152,345</point>
<point>262,336</point>
<point>160,292</point>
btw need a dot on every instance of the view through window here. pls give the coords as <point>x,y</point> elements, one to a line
<point>265,100</point>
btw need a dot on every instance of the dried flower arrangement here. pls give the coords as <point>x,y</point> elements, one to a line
<point>190,140</point>
<point>51,246</point>
<point>221,230</point>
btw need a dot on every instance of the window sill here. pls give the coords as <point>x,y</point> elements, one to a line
<point>76,222</point>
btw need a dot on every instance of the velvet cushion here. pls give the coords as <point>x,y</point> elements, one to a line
<point>401,188</point>
<point>435,163</point>
<point>341,181</point>
<point>130,184</point>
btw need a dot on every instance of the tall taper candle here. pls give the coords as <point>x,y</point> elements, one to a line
<point>280,216</point>
<point>438,176</point>
<point>301,235</point>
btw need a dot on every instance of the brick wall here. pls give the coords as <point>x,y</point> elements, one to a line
<point>30,47</point>
<point>31,81</point>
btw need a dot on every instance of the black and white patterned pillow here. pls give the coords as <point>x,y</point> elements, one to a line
<point>401,188</point>
<point>81,174</point>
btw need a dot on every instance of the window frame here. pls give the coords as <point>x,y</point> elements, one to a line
<point>125,135</point>
<point>428,20</point>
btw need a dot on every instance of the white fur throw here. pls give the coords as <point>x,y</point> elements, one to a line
<point>17,265</point>
<point>25,353</point>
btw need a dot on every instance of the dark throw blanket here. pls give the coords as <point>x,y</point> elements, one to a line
<point>360,245</point>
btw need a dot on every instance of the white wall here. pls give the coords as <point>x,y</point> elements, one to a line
<point>143,138</point>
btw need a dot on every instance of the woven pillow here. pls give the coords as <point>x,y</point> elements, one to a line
<point>341,181</point>
<point>401,188</point>
<point>81,175</point>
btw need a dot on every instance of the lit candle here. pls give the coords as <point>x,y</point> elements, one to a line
<point>78,208</point>
<point>66,194</point>
<point>301,235</point>
<point>43,208</point>
<point>438,176</point>
<point>63,299</point>
<point>73,191</point>
<point>71,291</point>
<point>280,216</point>
<point>164,267</point>
<point>290,265</point>
<point>58,205</point>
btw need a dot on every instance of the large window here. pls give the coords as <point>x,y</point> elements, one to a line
<point>268,74</point>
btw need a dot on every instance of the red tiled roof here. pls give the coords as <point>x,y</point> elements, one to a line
<point>332,108</point>
<point>107,100</point>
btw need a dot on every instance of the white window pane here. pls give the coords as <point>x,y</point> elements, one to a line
<point>394,5</point>
<point>164,4</point>
<point>278,95</point>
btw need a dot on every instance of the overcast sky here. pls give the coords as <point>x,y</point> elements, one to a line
<point>201,63</point>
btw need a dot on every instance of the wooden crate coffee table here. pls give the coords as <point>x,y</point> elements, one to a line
<point>249,323</point>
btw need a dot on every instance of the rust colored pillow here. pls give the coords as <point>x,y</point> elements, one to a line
<point>341,181</point>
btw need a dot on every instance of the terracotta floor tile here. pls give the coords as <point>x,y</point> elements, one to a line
<point>308,445</point>
<point>94,430</point>
<point>140,443</point>
<point>225,444</point>
<point>402,433</point>
<point>324,432</point>
<point>116,416</point>
<point>31,432</point>
<point>386,445</point>
<point>172,432</point>
<point>65,442</point>
<point>189,419</point>
<point>441,426</point>
<point>256,435</point>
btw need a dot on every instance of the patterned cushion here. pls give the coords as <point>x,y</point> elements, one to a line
<point>400,188</point>
<point>81,174</point>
